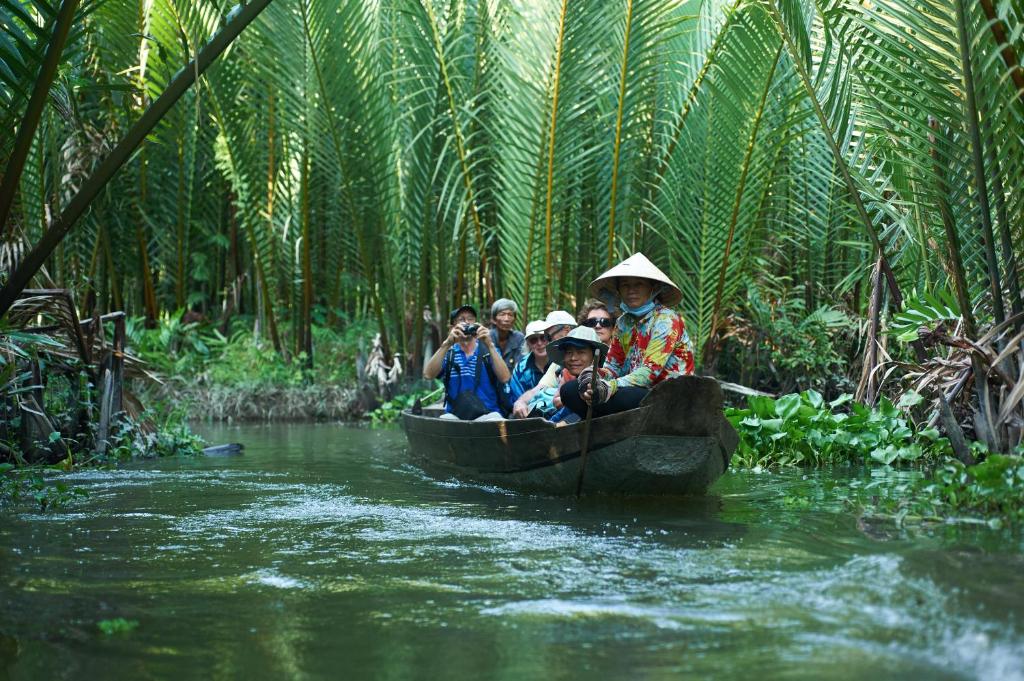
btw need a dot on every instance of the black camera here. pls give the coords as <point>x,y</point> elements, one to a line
<point>470,329</point>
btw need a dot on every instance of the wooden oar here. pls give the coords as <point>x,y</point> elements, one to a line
<point>586,424</point>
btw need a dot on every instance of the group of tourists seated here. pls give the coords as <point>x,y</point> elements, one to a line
<point>627,338</point>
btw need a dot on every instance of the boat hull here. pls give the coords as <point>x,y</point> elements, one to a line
<point>676,443</point>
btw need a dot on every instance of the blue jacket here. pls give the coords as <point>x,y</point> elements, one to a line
<point>525,376</point>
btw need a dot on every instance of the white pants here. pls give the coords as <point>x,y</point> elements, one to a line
<point>489,416</point>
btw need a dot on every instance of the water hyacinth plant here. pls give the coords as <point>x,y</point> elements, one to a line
<point>804,429</point>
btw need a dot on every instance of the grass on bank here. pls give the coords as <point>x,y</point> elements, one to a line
<point>392,409</point>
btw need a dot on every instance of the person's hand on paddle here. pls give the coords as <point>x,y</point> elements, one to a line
<point>585,381</point>
<point>557,400</point>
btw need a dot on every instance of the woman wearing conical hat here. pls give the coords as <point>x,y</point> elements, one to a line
<point>649,343</point>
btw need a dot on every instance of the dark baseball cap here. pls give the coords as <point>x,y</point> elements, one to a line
<point>456,311</point>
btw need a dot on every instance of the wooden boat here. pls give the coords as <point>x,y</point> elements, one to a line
<point>676,442</point>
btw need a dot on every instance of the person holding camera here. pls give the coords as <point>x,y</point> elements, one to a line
<point>471,367</point>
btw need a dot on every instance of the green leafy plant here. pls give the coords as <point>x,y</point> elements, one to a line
<point>29,482</point>
<point>117,625</point>
<point>991,492</point>
<point>925,310</point>
<point>198,353</point>
<point>392,409</point>
<point>777,345</point>
<point>994,486</point>
<point>170,437</point>
<point>803,429</point>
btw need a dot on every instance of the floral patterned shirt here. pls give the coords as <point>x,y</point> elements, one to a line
<point>648,350</point>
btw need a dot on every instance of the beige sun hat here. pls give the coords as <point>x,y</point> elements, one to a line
<point>559,318</point>
<point>536,328</point>
<point>581,335</point>
<point>636,265</point>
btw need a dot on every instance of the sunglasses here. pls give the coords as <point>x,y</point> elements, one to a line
<point>551,337</point>
<point>533,340</point>
<point>603,322</point>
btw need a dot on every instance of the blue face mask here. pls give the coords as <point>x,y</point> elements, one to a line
<point>646,307</point>
<point>638,311</point>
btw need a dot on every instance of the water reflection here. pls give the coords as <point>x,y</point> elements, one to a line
<point>323,553</point>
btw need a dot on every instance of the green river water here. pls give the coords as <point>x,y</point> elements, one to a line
<point>323,553</point>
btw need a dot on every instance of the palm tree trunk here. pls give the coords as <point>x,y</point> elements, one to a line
<point>148,289</point>
<point>532,228</point>
<point>956,266</point>
<point>460,144</point>
<point>732,14</point>
<point>977,154</point>
<point>461,289</point>
<point>422,292</point>
<point>1006,240</point>
<point>117,301</point>
<point>617,147</point>
<point>179,240</point>
<point>866,390</point>
<point>305,330</point>
<point>955,262</point>
<point>840,160</point>
<point>552,129</point>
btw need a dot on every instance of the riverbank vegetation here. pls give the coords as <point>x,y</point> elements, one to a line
<point>804,430</point>
<point>227,372</point>
<point>831,184</point>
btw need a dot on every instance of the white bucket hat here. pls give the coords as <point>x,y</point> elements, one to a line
<point>637,265</point>
<point>559,318</point>
<point>581,335</point>
<point>536,328</point>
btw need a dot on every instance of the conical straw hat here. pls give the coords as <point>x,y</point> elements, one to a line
<point>637,265</point>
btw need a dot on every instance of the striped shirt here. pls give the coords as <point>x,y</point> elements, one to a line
<point>464,377</point>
